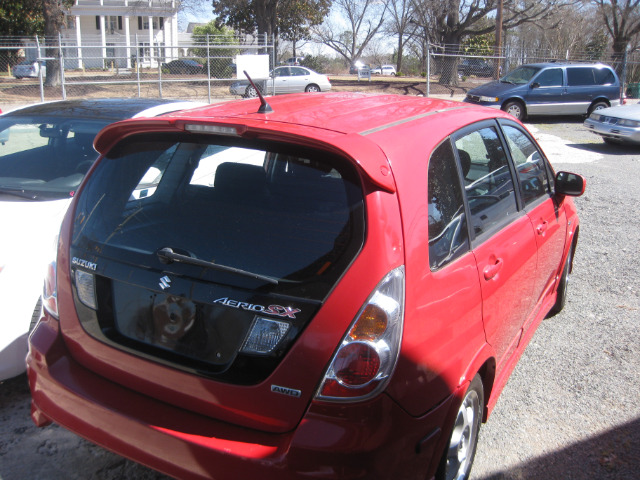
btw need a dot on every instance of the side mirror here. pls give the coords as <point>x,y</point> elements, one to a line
<point>535,85</point>
<point>570,184</point>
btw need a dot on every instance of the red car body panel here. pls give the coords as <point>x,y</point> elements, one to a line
<point>194,427</point>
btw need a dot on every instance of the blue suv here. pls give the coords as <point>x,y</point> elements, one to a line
<point>551,89</point>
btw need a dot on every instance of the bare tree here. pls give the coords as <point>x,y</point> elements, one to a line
<point>450,21</point>
<point>400,25</point>
<point>622,21</point>
<point>363,19</point>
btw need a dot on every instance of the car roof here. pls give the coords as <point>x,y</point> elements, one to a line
<point>363,127</point>
<point>564,64</point>
<point>343,112</point>
<point>112,109</point>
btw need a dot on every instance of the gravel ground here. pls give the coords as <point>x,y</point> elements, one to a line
<point>569,411</point>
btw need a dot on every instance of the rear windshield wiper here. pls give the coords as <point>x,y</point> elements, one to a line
<point>167,255</point>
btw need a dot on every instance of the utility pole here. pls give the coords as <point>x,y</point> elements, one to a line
<point>498,46</point>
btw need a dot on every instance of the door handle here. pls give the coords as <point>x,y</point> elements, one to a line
<point>542,228</point>
<point>490,271</point>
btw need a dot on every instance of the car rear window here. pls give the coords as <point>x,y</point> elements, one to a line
<point>291,214</point>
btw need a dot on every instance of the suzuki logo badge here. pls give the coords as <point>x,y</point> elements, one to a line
<point>165,282</point>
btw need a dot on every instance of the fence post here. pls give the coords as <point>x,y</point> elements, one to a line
<point>159,80</point>
<point>273,55</point>
<point>138,64</point>
<point>623,82</point>
<point>208,71</point>
<point>40,71</point>
<point>428,69</point>
<point>62,85</point>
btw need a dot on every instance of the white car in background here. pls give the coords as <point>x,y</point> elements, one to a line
<point>285,79</point>
<point>384,70</point>
<point>619,124</point>
<point>28,68</point>
<point>45,151</point>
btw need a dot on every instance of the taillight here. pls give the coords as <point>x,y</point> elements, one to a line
<point>50,289</point>
<point>364,362</point>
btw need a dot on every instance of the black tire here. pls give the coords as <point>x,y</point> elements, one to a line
<point>312,88</point>
<point>563,284</point>
<point>597,106</point>
<point>515,109</point>
<point>461,450</point>
<point>250,92</point>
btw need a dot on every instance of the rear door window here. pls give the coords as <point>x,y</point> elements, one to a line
<point>578,76</point>
<point>489,185</point>
<point>448,235</point>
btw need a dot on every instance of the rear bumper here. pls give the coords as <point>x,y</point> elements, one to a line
<point>375,440</point>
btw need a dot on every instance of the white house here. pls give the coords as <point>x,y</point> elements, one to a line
<point>118,33</point>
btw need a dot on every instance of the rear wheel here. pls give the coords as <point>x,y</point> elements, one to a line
<point>312,88</point>
<point>250,92</point>
<point>597,106</point>
<point>458,458</point>
<point>515,109</point>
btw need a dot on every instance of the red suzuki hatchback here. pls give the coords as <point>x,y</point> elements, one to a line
<point>333,286</point>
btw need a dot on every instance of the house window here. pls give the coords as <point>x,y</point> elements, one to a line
<point>115,23</point>
<point>143,23</point>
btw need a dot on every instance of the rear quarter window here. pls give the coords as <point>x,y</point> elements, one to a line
<point>605,76</point>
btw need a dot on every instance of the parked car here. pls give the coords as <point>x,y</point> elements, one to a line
<point>28,68</point>
<point>286,79</point>
<point>475,66</point>
<point>551,89</point>
<point>184,66</point>
<point>337,287</point>
<point>45,151</point>
<point>616,124</point>
<point>384,70</point>
<point>388,70</point>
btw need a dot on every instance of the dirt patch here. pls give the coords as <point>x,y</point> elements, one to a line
<point>174,86</point>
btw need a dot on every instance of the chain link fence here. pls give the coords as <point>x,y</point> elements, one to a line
<point>43,69</point>
<point>450,70</point>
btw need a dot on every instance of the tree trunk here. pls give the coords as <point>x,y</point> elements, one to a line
<point>449,65</point>
<point>400,52</point>
<point>53,17</point>
<point>619,48</point>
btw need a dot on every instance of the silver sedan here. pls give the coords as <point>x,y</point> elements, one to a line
<point>616,124</point>
<point>286,79</point>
